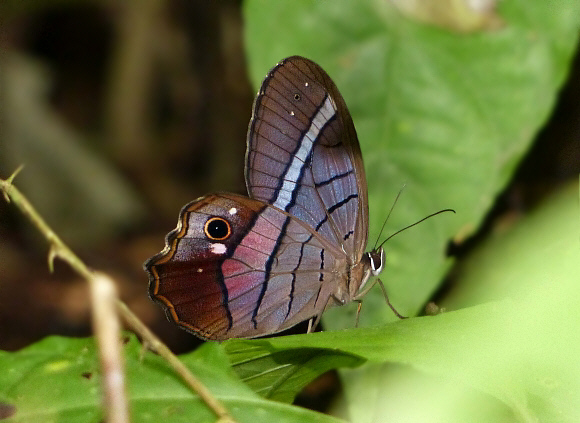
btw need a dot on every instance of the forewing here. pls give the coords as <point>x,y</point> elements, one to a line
<point>303,154</point>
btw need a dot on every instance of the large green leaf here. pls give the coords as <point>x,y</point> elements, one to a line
<point>58,379</point>
<point>281,372</point>
<point>515,358</point>
<point>448,114</point>
<point>525,366</point>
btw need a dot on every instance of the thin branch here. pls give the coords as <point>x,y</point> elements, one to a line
<point>107,330</point>
<point>57,248</point>
<point>156,345</point>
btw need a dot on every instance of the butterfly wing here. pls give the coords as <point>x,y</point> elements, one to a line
<point>262,272</point>
<point>303,154</point>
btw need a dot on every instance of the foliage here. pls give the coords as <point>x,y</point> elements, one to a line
<point>450,115</point>
<point>66,371</point>
<point>447,114</point>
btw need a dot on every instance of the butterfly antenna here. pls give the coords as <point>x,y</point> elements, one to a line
<point>389,215</point>
<point>416,223</point>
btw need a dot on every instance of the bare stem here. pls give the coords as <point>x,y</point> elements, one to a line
<point>107,331</point>
<point>155,344</point>
<point>57,248</point>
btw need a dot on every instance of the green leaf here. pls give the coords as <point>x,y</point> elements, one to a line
<point>541,249</point>
<point>58,379</point>
<point>422,342</point>
<point>281,373</point>
<point>519,363</point>
<point>510,359</point>
<point>449,115</point>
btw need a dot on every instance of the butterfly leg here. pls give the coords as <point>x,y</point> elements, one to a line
<point>313,323</point>
<point>312,326</point>
<point>358,307</point>
<point>361,294</point>
<point>399,315</point>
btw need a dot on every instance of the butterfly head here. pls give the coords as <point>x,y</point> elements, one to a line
<point>372,264</point>
<point>377,260</point>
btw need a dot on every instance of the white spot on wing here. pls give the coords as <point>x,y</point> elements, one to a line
<point>218,248</point>
<point>233,211</point>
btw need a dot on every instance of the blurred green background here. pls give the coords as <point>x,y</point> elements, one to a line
<point>122,112</point>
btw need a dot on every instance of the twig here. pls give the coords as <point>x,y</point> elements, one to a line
<point>57,248</point>
<point>107,330</point>
<point>155,344</point>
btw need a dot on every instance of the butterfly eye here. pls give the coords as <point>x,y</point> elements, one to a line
<point>217,229</point>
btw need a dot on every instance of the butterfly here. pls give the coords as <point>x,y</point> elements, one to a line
<point>242,267</point>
